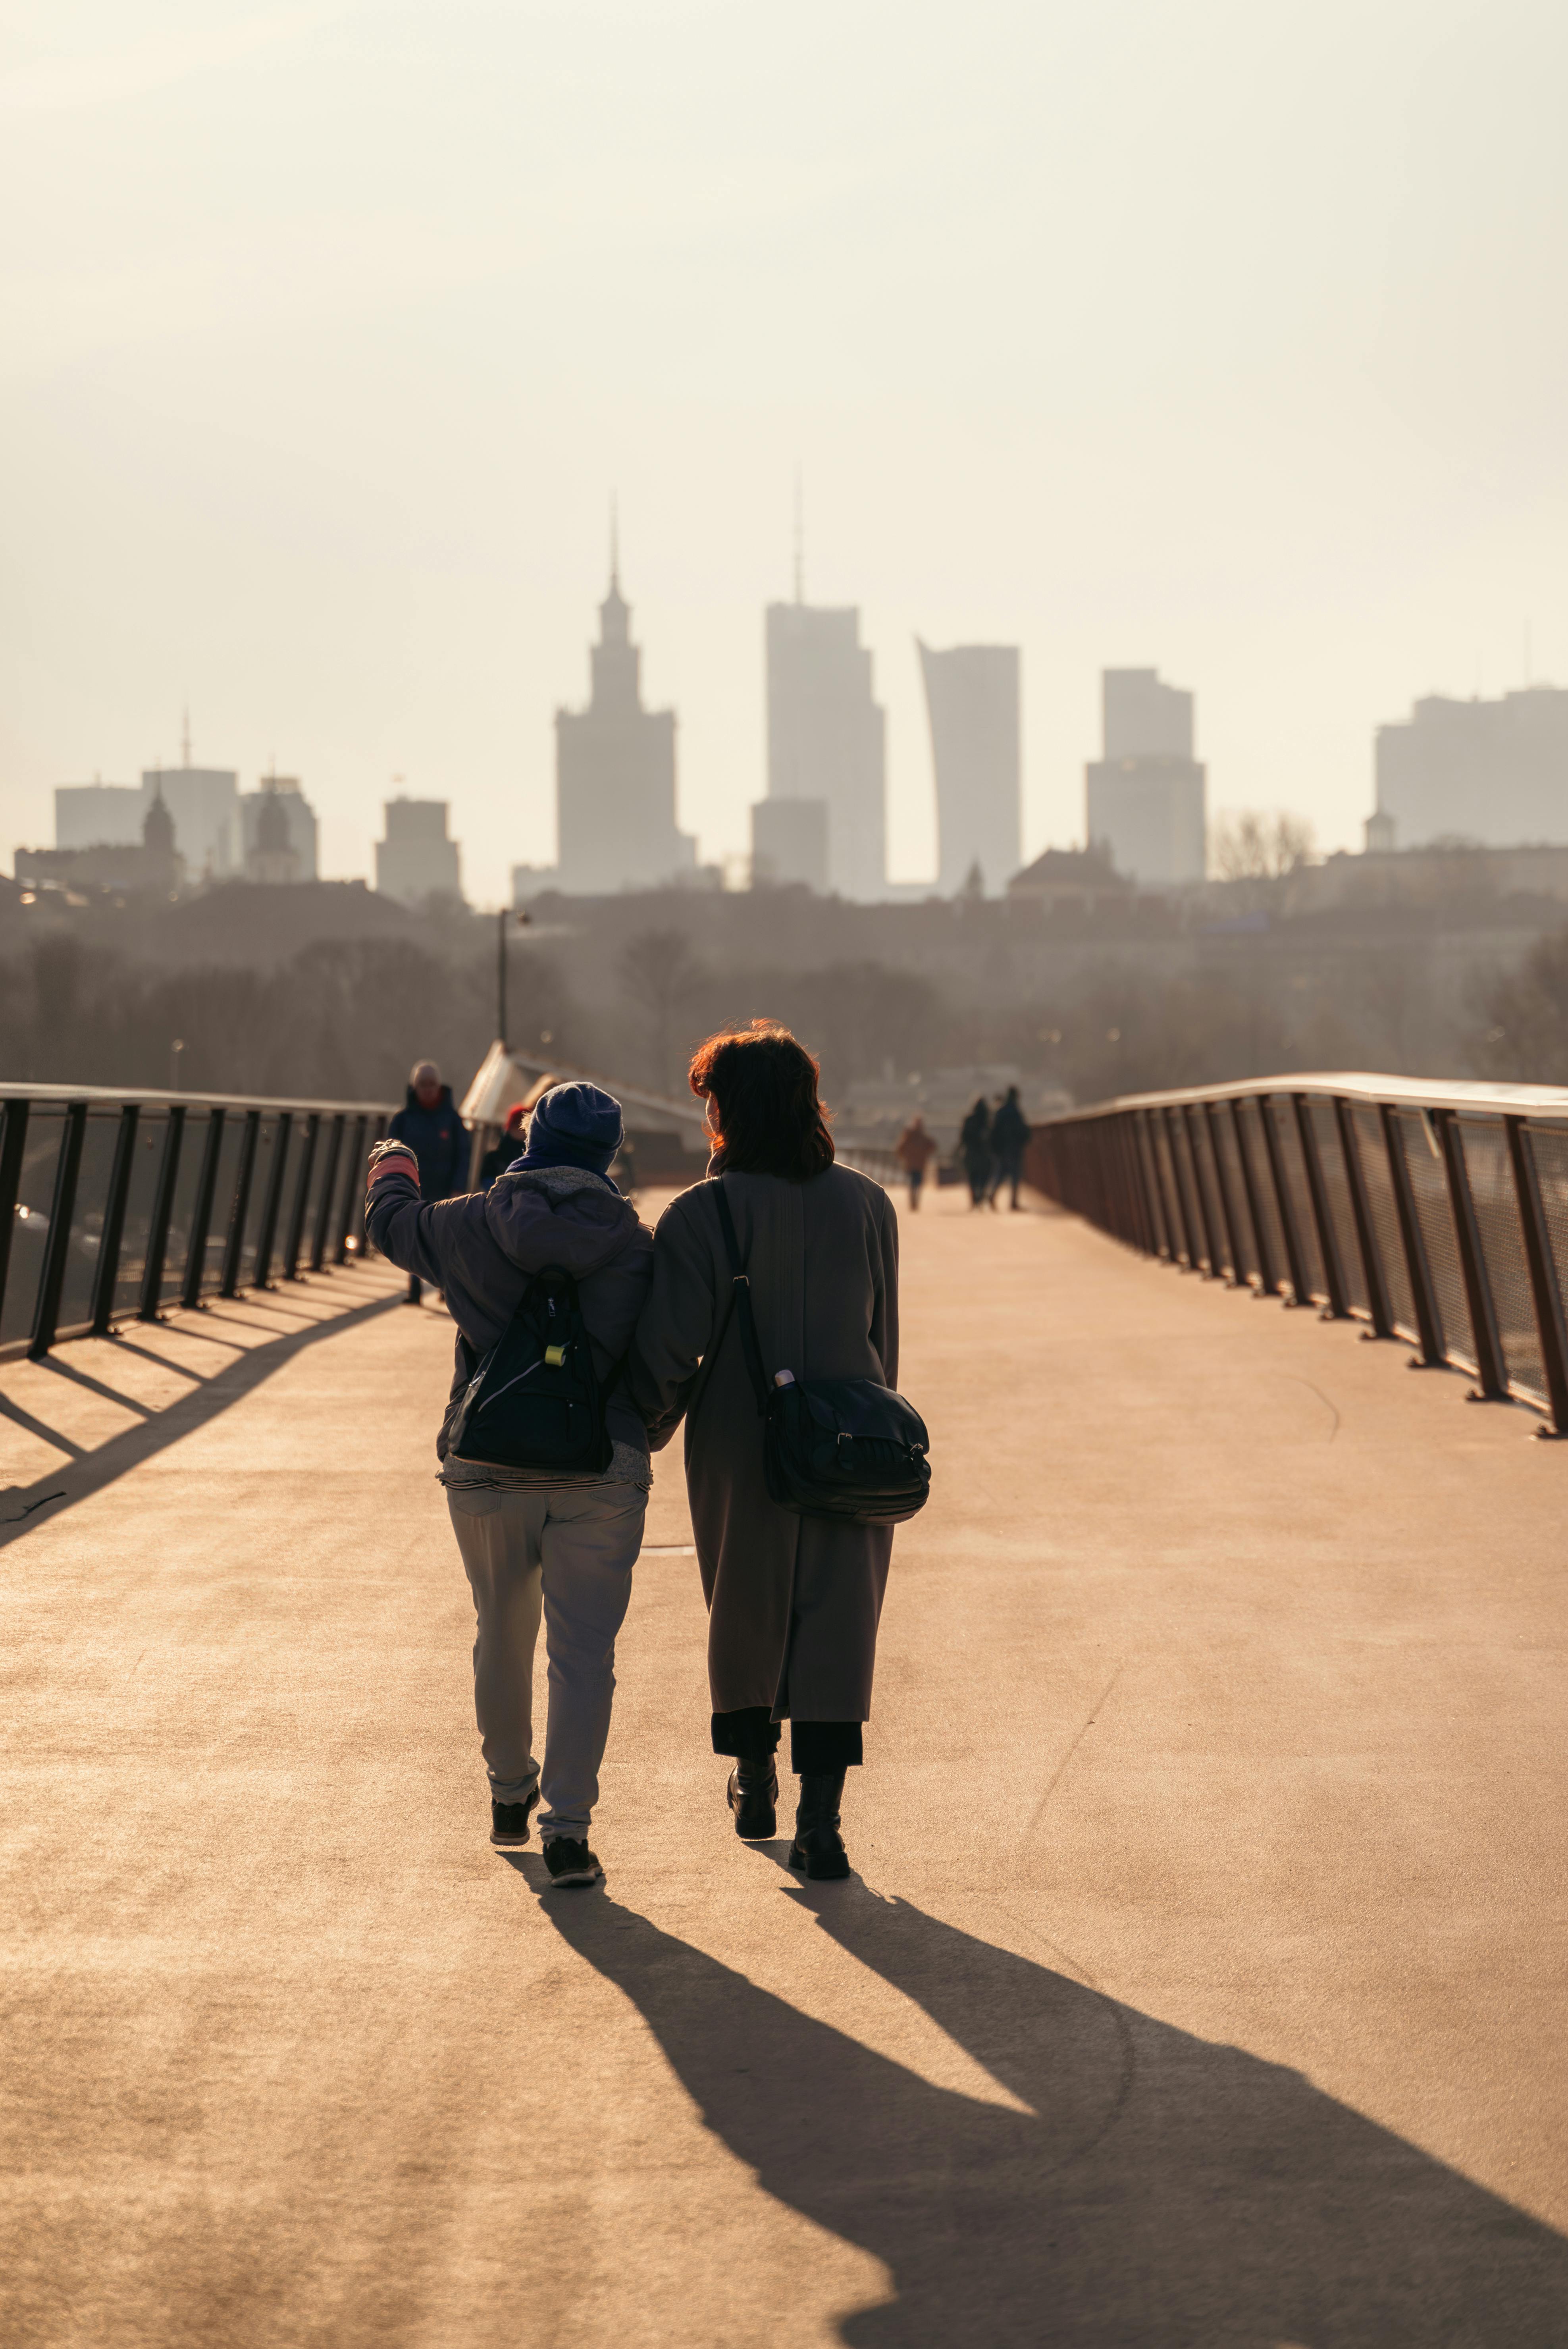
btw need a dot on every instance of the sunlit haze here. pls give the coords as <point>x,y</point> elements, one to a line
<point>1222,338</point>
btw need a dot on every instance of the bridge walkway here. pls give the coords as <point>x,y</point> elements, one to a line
<point>1201,1981</point>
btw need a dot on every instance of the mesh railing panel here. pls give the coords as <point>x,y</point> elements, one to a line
<point>1230,1157</point>
<point>1202,1148</point>
<point>1170,1196</point>
<point>1164,1240</point>
<point>229,1148</point>
<point>1299,1199</point>
<point>1250,1125</point>
<point>270,1141</point>
<point>1434,1212</point>
<point>1383,1213</point>
<point>1549,1144</point>
<point>1496,1202</point>
<point>98,1139</point>
<point>188,1175</point>
<point>30,1222</point>
<point>1341,1207</point>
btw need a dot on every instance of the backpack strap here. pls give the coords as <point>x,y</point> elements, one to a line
<point>740,1298</point>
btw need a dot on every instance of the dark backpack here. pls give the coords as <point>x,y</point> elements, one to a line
<point>844,1448</point>
<point>535,1400</point>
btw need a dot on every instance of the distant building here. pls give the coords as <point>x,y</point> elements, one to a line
<point>1071,876</point>
<point>826,738</point>
<point>99,815</point>
<point>417,860</point>
<point>1146,793</point>
<point>278,831</point>
<point>1492,771</point>
<point>972,702</point>
<point>204,804</point>
<point>151,862</point>
<point>615,774</point>
<point>789,844</point>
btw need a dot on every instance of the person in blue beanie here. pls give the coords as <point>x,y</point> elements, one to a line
<point>538,1540</point>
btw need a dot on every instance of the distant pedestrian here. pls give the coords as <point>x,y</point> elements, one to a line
<point>434,1132</point>
<point>545,1536</point>
<point>500,1154</point>
<point>1009,1140</point>
<point>915,1149</point>
<point>975,1151</point>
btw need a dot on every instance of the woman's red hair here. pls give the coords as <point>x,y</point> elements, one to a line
<point>761,1084</point>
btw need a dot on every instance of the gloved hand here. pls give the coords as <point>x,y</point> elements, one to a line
<point>392,1158</point>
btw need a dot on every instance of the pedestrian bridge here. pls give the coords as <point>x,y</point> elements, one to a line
<point>1201,1979</point>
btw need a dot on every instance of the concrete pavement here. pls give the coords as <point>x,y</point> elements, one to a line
<point>1201,1981</point>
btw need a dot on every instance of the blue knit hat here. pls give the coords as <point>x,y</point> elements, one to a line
<point>573,1125</point>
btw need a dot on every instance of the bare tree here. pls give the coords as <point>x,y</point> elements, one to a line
<point>660,975</point>
<point>1249,844</point>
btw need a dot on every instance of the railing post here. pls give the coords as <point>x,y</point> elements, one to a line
<point>1418,1268</point>
<point>240,1207</point>
<point>271,1200</point>
<point>107,1270</point>
<point>1299,1293</point>
<point>162,1211</point>
<point>1268,1271</point>
<point>356,1226</point>
<point>1545,1287</point>
<point>1490,1367</point>
<point>325,1198</point>
<point>13,1147</point>
<point>1148,1171</point>
<point>57,1248</point>
<point>1188,1127</point>
<point>202,1211</point>
<point>301,1197</point>
<point>1133,1175</point>
<point>352,1168</point>
<point>1238,1277</point>
<point>1184,1232</point>
<point>1372,1262</point>
<point>1318,1192</point>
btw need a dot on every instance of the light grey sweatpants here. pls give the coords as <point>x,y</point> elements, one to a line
<point>571,1547</point>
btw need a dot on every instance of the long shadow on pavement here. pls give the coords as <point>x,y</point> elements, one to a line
<point>86,1473</point>
<point>1164,2192</point>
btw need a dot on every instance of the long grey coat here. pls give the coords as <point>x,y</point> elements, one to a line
<point>793,1602</point>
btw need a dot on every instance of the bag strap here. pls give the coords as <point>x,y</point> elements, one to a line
<point>740,1298</point>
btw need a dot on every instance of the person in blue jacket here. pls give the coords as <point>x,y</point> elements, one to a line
<point>431,1125</point>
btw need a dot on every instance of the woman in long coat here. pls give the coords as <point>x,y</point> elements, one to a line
<point>793,1601</point>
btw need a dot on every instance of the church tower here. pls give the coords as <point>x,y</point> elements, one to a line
<point>615,772</point>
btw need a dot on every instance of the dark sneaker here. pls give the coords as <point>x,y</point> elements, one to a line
<point>752,1795</point>
<point>570,1862</point>
<point>508,1822</point>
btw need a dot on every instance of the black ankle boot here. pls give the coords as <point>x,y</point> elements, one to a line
<point>819,1847</point>
<point>753,1792</point>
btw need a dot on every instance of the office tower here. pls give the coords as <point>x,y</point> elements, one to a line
<point>615,773</point>
<point>1490,772</point>
<point>417,860</point>
<point>972,702</point>
<point>1146,791</point>
<point>789,844</point>
<point>100,816</point>
<point>281,810</point>
<point>151,862</point>
<point>203,802</point>
<point>826,738</point>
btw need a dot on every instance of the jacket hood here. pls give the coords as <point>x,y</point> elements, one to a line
<point>579,1230</point>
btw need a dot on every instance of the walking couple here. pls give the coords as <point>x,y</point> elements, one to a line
<point>793,1600</point>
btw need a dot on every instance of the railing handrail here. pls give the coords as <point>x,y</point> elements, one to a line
<point>1357,1084</point>
<point>158,1097</point>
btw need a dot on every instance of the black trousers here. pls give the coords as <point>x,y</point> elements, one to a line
<point>817,1747</point>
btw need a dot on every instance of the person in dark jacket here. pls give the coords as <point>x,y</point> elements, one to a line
<point>434,1132</point>
<point>531,1538</point>
<point>508,1150</point>
<point>1009,1140</point>
<point>974,1150</point>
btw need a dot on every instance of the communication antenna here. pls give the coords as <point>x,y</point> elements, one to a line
<point>1528,663</point>
<point>185,735</point>
<point>615,541</point>
<point>799,543</point>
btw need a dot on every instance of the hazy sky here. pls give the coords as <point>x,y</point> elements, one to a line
<point>1223,336</point>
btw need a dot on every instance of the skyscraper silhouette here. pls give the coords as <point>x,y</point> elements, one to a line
<point>972,701</point>
<point>615,772</point>
<point>826,738</point>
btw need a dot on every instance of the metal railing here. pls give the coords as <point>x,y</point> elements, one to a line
<point>117,1206</point>
<point>1435,1214</point>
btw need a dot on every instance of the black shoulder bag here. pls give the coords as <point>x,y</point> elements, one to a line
<point>843,1448</point>
<point>535,1401</point>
